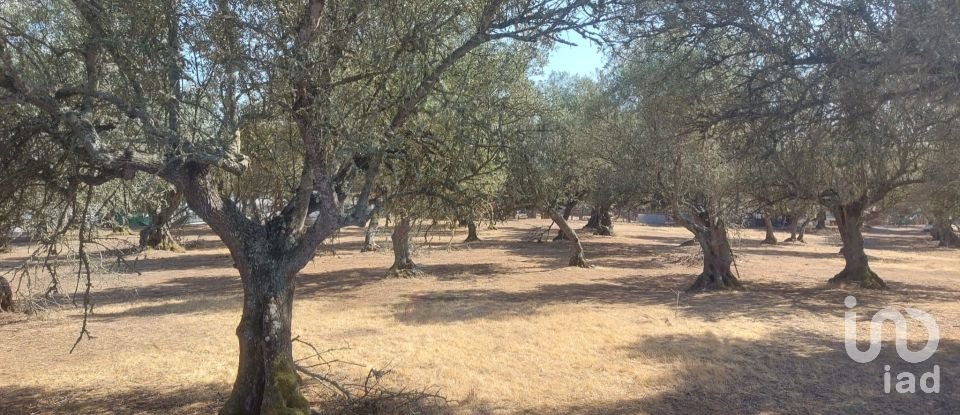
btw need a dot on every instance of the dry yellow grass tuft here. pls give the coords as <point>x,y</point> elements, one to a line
<point>501,326</point>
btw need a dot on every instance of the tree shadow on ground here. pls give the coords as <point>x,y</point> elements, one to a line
<point>194,399</point>
<point>787,373</point>
<point>457,272</point>
<point>218,293</point>
<point>790,253</point>
<point>761,301</point>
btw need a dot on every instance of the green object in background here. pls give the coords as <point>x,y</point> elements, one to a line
<point>138,220</point>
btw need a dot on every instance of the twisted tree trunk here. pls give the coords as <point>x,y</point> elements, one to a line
<point>267,381</point>
<point>6,295</point>
<point>943,231</point>
<point>370,235</point>
<point>600,222</point>
<point>157,234</point>
<point>821,219</point>
<point>567,210</point>
<point>472,232</point>
<point>798,227</point>
<point>403,265</point>
<point>576,259</point>
<point>717,260</point>
<point>771,237</point>
<point>856,268</point>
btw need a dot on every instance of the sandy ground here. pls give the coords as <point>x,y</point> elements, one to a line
<point>502,327</point>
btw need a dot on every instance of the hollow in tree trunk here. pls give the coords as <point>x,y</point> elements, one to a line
<point>370,235</point>
<point>771,237</point>
<point>403,265</point>
<point>821,220</point>
<point>576,259</point>
<point>717,260</point>
<point>267,381</point>
<point>856,270</point>
<point>472,232</point>
<point>157,234</point>
<point>567,211</point>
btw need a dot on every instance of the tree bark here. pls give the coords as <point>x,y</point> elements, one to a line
<point>856,270</point>
<point>594,220</point>
<point>600,222</point>
<point>567,211</point>
<point>798,227</point>
<point>6,295</point>
<point>771,237</point>
<point>370,235</point>
<point>717,260</point>
<point>403,265</point>
<point>943,232</point>
<point>267,381</point>
<point>576,259</point>
<point>821,220</point>
<point>157,234</point>
<point>472,232</point>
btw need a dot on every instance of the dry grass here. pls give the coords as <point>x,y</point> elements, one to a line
<point>501,326</point>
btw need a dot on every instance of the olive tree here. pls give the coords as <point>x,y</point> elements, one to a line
<point>169,88</point>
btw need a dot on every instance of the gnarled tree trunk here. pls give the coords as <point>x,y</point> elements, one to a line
<point>856,270</point>
<point>6,295</point>
<point>717,260</point>
<point>403,265</point>
<point>567,210</point>
<point>267,381</point>
<point>798,227</point>
<point>472,232</point>
<point>576,259</point>
<point>157,235</point>
<point>943,231</point>
<point>771,238</point>
<point>600,221</point>
<point>370,235</point>
<point>821,219</point>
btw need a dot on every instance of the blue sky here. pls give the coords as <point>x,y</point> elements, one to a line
<point>583,59</point>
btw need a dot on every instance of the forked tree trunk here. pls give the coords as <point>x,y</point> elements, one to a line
<point>771,237</point>
<point>717,260</point>
<point>856,270</point>
<point>798,227</point>
<point>370,235</point>
<point>576,259</point>
<point>267,381</point>
<point>606,222</point>
<point>567,211</point>
<point>600,222</point>
<point>821,219</point>
<point>157,234</point>
<point>472,232</point>
<point>403,265</point>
